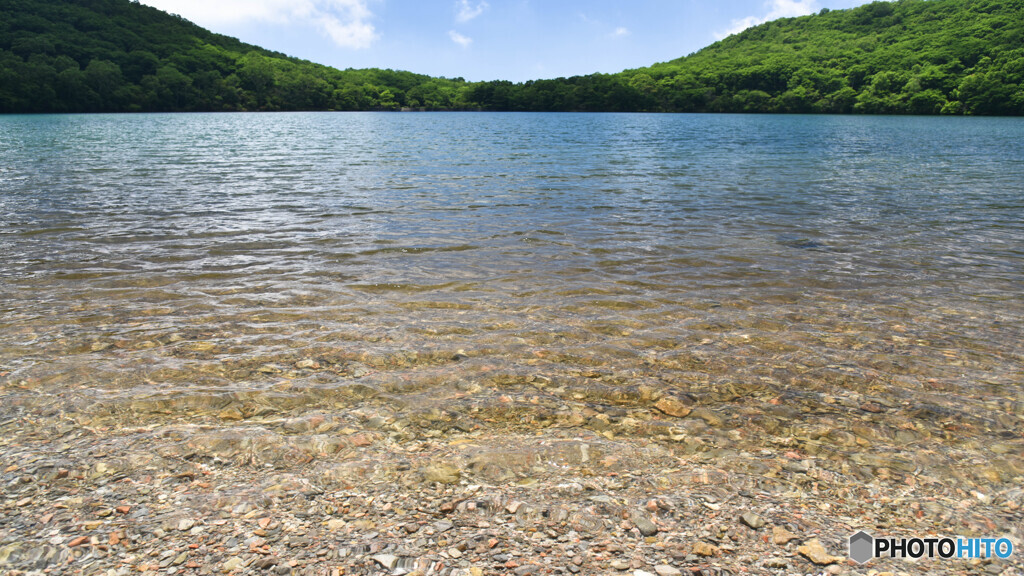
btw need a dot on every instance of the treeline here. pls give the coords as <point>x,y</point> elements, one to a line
<point>904,57</point>
<point>121,56</point>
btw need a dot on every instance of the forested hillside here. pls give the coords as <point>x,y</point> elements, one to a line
<point>119,55</point>
<point>904,57</point>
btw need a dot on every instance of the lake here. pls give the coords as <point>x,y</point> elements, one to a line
<point>846,287</point>
<point>501,232</point>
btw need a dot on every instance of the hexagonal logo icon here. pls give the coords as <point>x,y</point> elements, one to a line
<point>862,547</point>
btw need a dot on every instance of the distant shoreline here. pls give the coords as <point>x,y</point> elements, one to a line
<point>935,57</point>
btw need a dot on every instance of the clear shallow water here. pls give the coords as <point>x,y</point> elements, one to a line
<point>184,266</point>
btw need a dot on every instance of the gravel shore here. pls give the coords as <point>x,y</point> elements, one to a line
<point>515,477</point>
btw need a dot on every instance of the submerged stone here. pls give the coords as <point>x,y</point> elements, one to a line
<point>814,551</point>
<point>673,407</point>
<point>442,473</point>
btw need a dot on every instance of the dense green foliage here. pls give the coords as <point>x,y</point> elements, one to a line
<point>118,55</point>
<point>904,57</point>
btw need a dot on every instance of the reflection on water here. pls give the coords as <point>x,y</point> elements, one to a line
<point>794,275</point>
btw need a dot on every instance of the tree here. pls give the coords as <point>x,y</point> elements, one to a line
<point>986,93</point>
<point>256,73</point>
<point>104,78</point>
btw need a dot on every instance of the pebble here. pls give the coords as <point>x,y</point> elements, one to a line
<point>666,570</point>
<point>673,407</point>
<point>708,416</point>
<point>814,551</point>
<point>752,520</point>
<point>781,536</point>
<point>704,549</point>
<point>388,561</point>
<point>646,527</point>
<point>442,473</point>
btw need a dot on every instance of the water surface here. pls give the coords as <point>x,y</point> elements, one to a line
<point>246,267</point>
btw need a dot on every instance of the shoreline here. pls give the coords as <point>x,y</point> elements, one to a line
<point>358,490</point>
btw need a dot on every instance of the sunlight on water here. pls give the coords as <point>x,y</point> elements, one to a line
<point>509,269</point>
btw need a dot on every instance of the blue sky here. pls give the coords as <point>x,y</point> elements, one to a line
<point>487,39</point>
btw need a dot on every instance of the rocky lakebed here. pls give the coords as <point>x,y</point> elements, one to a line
<point>610,450</point>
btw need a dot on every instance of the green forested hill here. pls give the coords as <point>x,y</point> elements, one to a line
<point>904,57</point>
<point>118,55</point>
<point>911,56</point>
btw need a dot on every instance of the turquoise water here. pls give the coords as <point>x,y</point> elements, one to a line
<point>194,258</point>
<point>684,203</point>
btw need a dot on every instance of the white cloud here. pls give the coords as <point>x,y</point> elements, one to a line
<point>350,27</point>
<point>346,22</point>
<point>620,32</point>
<point>466,12</point>
<point>459,39</point>
<point>776,9</point>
